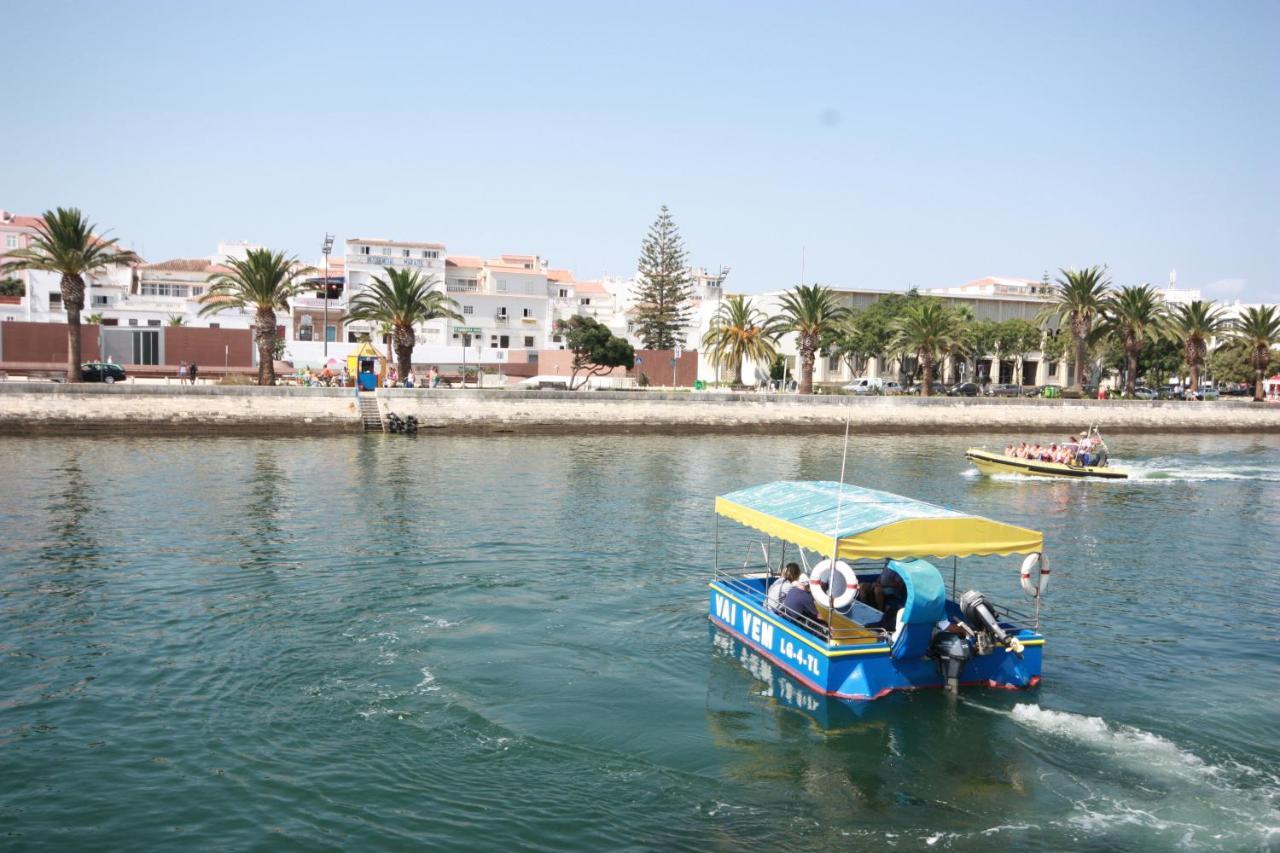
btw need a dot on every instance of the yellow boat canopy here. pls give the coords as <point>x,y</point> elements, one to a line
<point>872,524</point>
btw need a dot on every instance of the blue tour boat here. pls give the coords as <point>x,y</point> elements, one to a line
<point>874,545</point>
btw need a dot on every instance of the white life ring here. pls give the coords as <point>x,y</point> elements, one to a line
<point>843,585</point>
<point>1035,565</point>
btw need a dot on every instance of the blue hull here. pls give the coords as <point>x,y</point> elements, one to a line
<point>857,672</point>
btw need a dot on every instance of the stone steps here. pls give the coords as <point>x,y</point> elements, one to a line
<point>370,414</point>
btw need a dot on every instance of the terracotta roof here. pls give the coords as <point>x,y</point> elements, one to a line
<point>591,287</point>
<point>464,261</point>
<point>16,221</point>
<point>506,257</point>
<point>490,265</point>
<point>186,265</point>
<point>560,275</point>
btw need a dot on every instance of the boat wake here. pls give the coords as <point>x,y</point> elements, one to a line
<point>1187,471</point>
<point>1185,799</point>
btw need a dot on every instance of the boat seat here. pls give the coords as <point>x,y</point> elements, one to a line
<point>847,632</point>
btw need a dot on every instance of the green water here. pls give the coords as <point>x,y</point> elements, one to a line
<point>495,642</point>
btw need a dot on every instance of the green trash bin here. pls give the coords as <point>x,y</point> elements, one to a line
<point>699,385</point>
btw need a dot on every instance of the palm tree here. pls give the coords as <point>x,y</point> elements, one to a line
<point>93,319</point>
<point>64,244</point>
<point>177,320</point>
<point>1259,329</point>
<point>1191,326</point>
<point>811,311</point>
<point>1079,296</point>
<point>740,330</point>
<point>926,329</point>
<point>264,281</point>
<point>1135,315</point>
<point>402,300</point>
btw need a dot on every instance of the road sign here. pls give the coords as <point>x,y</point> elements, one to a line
<point>639,360</point>
<point>679,350</point>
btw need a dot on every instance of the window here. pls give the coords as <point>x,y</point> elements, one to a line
<point>504,341</point>
<point>528,341</point>
<point>151,323</point>
<point>364,250</point>
<point>215,325</point>
<point>55,301</point>
<point>502,311</point>
<point>305,328</point>
<point>146,346</point>
<point>527,312</point>
<point>833,363</point>
<point>555,339</point>
<point>101,301</point>
<point>180,291</point>
<point>586,300</point>
<point>351,337</point>
<point>564,293</point>
<point>331,333</point>
<point>386,250</point>
<point>430,254</point>
<point>468,309</point>
<point>406,252</point>
<point>11,241</point>
<point>133,322</point>
<point>197,291</point>
<point>1053,368</point>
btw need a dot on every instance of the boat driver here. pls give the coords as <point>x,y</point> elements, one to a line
<point>887,594</point>
<point>799,603</point>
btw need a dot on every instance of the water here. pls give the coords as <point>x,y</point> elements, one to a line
<point>490,642</point>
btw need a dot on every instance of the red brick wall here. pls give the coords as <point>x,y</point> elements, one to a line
<point>208,347</point>
<point>44,342</point>
<point>656,364</point>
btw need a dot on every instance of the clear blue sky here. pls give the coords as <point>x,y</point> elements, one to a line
<point>897,143</point>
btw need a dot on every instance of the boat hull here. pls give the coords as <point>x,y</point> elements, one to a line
<point>997,463</point>
<point>857,672</point>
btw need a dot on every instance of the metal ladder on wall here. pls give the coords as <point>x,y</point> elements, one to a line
<point>370,414</point>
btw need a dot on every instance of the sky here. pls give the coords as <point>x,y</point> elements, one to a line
<point>878,145</point>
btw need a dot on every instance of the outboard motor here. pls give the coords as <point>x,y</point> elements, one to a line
<point>977,612</point>
<point>951,652</point>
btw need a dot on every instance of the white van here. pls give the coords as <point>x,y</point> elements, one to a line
<point>864,385</point>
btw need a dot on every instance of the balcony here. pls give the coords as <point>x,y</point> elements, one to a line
<point>501,320</point>
<point>459,287</point>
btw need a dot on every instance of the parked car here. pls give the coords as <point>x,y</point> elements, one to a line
<point>917,388</point>
<point>1207,392</point>
<point>1236,389</point>
<point>863,385</point>
<point>1143,393</point>
<point>964,389</point>
<point>891,387</point>
<point>1005,389</point>
<point>101,371</point>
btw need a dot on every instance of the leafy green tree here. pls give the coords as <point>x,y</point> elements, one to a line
<point>400,302</point>
<point>65,245</point>
<point>1079,297</point>
<point>662,304</point>
<point>985,338</point>
<point>263,281</point>
<point>595,349</point>
<point>1259,330</point>
<point>1134,316</point>
<point>12,287</point>
<point>926,329</point>
<point>739,330</point>
<point>812,312</point>
<point>1018,339</point>
<point>1192,325</point>
<point>93,319</point>
<point>1231,362</point>
<point>868,333</point>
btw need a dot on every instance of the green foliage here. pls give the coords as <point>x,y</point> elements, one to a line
<point>1132,318</point>
<point>64,244</point>
<point>662,304</point>
<point>868,333</point>
<point>12,287</point>
<point>262,282</point>
<point>738,331</point>
<point>397,304</point>
<point>1231,362</point>
<point>813,314</point>
<point>1192,325</point>
<point>93,319</point>
<point>1079,298</point>
<point>177,320</point>
<point>1258,329</point>
<point>926,329</point>
<point>595,349</point>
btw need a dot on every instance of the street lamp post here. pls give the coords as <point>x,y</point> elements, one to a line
<point>327,248</point>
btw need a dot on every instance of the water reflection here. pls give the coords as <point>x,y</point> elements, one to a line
<point>75,544</point>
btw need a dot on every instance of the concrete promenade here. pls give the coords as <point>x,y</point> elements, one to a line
<point>27,408</point>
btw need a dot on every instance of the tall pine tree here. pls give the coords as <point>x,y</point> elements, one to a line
<point>662,303</point>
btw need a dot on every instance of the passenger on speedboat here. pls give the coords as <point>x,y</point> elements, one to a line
<point>789,577</point>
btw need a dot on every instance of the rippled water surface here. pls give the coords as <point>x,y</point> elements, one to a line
<point>487,642</point>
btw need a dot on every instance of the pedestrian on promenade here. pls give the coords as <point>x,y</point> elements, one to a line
<point>433,379</point>
<point>408,379</point>
<point>182,372</point>
<point>192,370</point>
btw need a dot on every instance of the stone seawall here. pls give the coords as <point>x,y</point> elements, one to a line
<point>154,409</point>
<point>165,409</point>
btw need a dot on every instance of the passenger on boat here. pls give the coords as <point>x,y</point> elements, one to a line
<point>1008,450</point>
<point>887,594</point>
<point>799,603</point>
<point>788,578</point>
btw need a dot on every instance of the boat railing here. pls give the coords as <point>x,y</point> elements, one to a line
<point>845,630</point>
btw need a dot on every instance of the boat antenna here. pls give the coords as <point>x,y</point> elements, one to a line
<point>835,550</point>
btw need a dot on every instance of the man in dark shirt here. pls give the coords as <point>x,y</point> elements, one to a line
<point>798,603</point>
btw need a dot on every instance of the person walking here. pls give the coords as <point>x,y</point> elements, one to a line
<point>192,370</point>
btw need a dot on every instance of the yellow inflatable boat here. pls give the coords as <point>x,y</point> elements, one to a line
<point>997,463</point>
